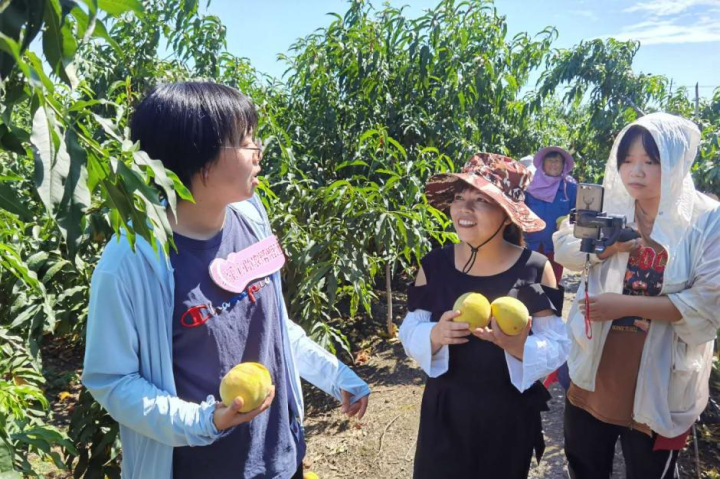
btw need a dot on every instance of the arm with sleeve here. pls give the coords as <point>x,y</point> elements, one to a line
<point>545,351</point>
<point>567,248</point>
<point>112,374</point>
<point>415,337</point>
<point>699,304</point>
<point>315,364</point>
<point>322,369</point>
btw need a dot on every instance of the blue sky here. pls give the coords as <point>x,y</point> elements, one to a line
<point>680,38</point>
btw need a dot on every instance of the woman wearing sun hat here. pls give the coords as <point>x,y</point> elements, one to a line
<point>551,195</point>
<point>480,415</point>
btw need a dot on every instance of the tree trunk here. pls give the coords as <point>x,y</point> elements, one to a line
<point>388,293</point>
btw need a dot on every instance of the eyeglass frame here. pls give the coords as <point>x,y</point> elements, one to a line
<point>258,150</point>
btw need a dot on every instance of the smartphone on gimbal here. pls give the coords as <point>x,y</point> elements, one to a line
<point>589,198</point>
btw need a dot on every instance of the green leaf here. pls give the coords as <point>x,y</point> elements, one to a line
<point>338,184</point>
<point>118,7</point>
<point>10,201</point>
<point>125,212</point>
<point>347,164</point>
<point>92,26</point>
<point>59,43</point>
<point>398,146</point>
<point>7,471</point>
<point>109,127</point>
<point>378,225</point>
<point>85,22</point>
<point>76,197</point>
<point>9,57</point>
<point>37,260</point>
<point>35,13</point>
<point>11,177</point>
<point>69,293</point>
<point>84,104</point>
<point>55,269</point>
<point>161,177</point>
<point>38,73</point>
<point>52,161</point>
<point>367,135</point>
<point>180,188</point>
<point>159,220</point>
<point>25,316</point>
<point>18,18</point>
<point>97,171</point>
<point>134,181</point>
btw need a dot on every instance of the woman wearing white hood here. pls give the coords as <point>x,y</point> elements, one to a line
<point>640,361</point>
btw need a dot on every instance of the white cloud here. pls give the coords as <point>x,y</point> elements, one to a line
<point>655,33</point>
<point>670,7</point>
<point>673,21</point>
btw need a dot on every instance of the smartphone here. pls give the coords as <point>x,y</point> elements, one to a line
<point>589,198</point>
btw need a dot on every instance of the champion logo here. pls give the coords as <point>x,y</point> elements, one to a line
<point>196,316</point>
<point>200,314</point>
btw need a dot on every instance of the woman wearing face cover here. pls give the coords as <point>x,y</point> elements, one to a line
<point>551,195</point>
<point>640,370</point>
<point>480,414</point>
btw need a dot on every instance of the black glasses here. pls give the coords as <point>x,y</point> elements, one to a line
<point>257,150</point>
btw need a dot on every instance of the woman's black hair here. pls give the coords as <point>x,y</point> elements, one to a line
<point>184,125</point>
<point>648,143</point>
<point>554,154</point>
<point>513,234</point>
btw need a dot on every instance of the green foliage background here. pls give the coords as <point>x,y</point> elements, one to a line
<point>369,108</point>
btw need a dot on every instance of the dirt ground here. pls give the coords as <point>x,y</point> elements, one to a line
<point>382,445</point>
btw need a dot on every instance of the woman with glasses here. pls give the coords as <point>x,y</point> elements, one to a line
<point>163,331</point>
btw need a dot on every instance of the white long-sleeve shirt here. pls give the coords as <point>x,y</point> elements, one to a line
<point>545,350</point>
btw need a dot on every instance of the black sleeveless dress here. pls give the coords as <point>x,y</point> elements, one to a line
<point>473,422</point>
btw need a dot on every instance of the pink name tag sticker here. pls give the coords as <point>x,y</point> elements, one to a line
<point>257,261</point>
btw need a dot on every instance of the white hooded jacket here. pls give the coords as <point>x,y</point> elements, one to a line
<point>672,387</point>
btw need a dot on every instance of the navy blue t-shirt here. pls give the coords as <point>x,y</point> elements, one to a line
<point>212,334</point>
